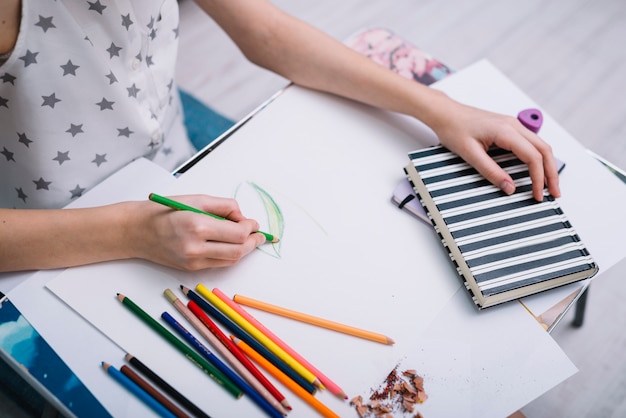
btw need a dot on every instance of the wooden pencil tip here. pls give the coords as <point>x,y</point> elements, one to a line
<point>129,357</point>
<point>184,289</point>
<point>275,240</point>
<point>342,395</point>
<point>105,365</point>
<point>286,404</point>
<point>318,384</point>
<point>121,297</point>
<point>390,341</point>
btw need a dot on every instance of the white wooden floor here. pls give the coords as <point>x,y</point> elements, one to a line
<point>568,55</point>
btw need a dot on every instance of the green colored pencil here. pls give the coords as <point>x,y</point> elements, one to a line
<point>181,206</point>
<point>195,358</point>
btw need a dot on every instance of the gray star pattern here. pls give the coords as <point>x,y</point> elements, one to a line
<point>8,78</point>
<point>111,77</point>
<point>45,23</point>
<point>114,50</point>
<point>50,100</point>
<point>75,129</point>
<point>100,159</point>
<point>42,184</point>
<point>133,90</point>
<point>7,154</point>
<point>105,104</point>
<point>24,139</point>
<point>62,157</point>
<point>96,6</point>
<point>21,195</point>
<point>77,191</point>
<point>124,132</point>
<point>69,68</point>
<point>134,33</point>
<point>29,58</point>
<point>126,21</point>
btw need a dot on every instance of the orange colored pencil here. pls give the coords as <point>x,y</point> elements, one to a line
<point>326,381</point>
<point>313,320</point>
<point>284,379</point>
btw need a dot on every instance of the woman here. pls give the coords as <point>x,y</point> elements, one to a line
<point>88,86</point>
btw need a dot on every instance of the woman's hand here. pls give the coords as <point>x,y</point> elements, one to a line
<point>470,132</point>
<point>45,239</point>
<point>192,241</point>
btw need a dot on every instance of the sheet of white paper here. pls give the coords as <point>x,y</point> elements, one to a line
<point>346,254</point>
<point>513,360</point>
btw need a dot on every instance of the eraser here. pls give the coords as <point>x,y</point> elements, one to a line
<point>531,119</point>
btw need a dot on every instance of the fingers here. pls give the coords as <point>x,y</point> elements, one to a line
<point>526,145</point>
<point>537,154</point>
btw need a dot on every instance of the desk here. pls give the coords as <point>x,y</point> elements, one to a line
<point>503,353</point>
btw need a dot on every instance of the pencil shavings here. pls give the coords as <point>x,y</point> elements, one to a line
<point>400,393</point>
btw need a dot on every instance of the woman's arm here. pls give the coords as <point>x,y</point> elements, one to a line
<point>276,41</point>
<point>43,239</point>
<point>9,24</point>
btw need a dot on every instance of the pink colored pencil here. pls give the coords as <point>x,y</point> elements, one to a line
<point>326,381</point>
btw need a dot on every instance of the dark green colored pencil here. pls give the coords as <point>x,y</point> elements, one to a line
<point>194,357</point>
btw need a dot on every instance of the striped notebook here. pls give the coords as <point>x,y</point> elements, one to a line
<point>504,247</point>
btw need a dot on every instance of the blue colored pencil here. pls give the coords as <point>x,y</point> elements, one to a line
<point>206,353</point>
<point>137,391</point>
<point>248,339</point>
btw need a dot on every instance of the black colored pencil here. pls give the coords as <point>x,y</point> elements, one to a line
<point>166,387</point>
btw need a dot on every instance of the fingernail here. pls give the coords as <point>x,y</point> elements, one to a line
<point>507,187</point>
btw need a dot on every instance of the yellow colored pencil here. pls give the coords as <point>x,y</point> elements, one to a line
<point>258,335</point>
<point>313,320</point>
<point>285,380</point>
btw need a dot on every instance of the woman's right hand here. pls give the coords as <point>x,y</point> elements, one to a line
<point>191,241</point>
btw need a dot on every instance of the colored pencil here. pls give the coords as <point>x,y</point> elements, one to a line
<point>237,353</point>
<point>166,387</point>
<point>158,396</point>
<point>173,204</point>
<point>194,357</point>
<point>213,359</point>
<point>258,335</point>
<point>285,380</point>
<point>240,333</point>
<point>313,320</point>
<point>326,381</point>
<point>219,345</point>
<point>137,391</point>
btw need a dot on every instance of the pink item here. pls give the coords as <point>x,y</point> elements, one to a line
<point>531,119</point>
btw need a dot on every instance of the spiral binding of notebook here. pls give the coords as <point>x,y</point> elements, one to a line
<point>504,246</point>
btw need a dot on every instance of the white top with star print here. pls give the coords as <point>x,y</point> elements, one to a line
<point>88,88</point>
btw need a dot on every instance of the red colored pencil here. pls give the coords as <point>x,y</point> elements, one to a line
<point>230,345</point>
<point>326,381</point>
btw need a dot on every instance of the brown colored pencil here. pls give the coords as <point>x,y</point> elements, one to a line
<point>158,396</point>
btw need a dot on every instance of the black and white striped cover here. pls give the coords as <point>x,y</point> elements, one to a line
<point>504,247</point>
